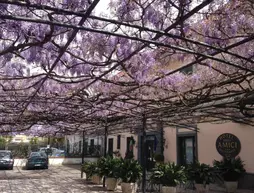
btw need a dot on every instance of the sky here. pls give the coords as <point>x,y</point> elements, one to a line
<point>102,6</point>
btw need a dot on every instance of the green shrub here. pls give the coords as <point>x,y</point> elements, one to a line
<point>230,170</point>
<point>109,166</point>
<point>130,170</point>
<point>168,174</point>
<point>90,168</point>
<point>200,173</point>
<point>20,150</point>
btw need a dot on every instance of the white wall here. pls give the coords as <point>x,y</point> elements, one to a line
<point>123,146</point>
<point>210,132</point>
<point>56,161</point>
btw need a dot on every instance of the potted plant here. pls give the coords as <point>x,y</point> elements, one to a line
<point>110,168</point>
<point>130,173</point>
<point>87,168</point>
<point>169,175</point>
<point>202,175</point>
<point>96,171</point>
<point>230,170</point>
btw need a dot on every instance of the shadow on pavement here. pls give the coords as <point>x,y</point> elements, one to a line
<point>76,166</point>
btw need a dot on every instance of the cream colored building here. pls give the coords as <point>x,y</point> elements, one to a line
<point>185,146</point>
<point>21,139</point>
<point>182,145</point>
<point>120,142</point>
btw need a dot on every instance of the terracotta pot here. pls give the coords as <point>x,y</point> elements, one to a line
<point>168,189</point>
<point>111,183</point>
<point>201,188</point>
<point>129,187</point>
<point>231,187</point>
<point>96,179</point>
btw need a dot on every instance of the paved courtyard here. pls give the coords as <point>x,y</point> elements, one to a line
<point>61,179</point>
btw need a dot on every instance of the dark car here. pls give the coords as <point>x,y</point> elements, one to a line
<point>38,154</point>
<point>6,159</point>
<point>37,160</point>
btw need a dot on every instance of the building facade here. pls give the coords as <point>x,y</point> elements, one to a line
<point>184,146</point>
<point>93,145</point>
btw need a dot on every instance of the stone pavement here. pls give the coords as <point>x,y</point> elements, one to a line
<point>61,179</point>
<point>57,179</point>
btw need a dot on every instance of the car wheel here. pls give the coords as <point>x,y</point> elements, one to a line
<point>46,167</point>
<point>10,167</point>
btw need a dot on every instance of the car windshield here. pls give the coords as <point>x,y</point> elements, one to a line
<point>33,154</point>
<point>37,154</point>
<point>52,149</point>
<point>5,155</point>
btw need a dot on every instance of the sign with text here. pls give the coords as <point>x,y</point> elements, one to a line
<point>228,145</point>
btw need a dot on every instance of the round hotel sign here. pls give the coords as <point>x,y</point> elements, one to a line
<point>228,145</point>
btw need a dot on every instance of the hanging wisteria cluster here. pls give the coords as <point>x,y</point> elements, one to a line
<point>75,65</point>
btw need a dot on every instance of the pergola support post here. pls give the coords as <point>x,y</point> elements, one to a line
<point>83,152</point>
<point>162,137</point>
<point>105,147</point>
<point>144,154</point>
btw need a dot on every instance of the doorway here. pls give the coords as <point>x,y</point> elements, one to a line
<point>149,149</point>
<point>150,154</point>
<point>186,150</point>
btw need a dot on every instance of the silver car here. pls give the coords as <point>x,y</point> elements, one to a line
<point>6,159</point>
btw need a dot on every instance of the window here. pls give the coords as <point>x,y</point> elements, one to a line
<point>91,147</point>
<point>128,142</point>
<point>110,146</point>
<point>79,146</point>
<point>129,149</point>
<point>118,141</point>
<point>92,142</point>
<point>186,150</point>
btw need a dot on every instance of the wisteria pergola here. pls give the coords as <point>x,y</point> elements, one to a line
<point>67,67</point>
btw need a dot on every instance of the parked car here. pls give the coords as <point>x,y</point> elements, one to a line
<point>54,152</point>
<point>44,149</point>
<point>58,153</point>
<point>6,159</point>
<point>37,160</point>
